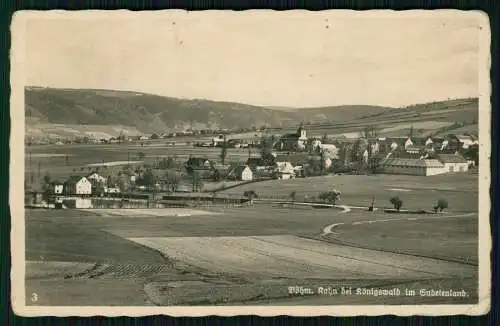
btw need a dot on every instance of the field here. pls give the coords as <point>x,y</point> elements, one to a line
<point>253,254</point>
<point>460,190</point>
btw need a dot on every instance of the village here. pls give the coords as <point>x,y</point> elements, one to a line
<point>271,157</point>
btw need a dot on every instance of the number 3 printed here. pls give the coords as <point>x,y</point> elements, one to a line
<point>34,297</point>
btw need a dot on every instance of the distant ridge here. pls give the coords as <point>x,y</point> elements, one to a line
<point>148,113</point>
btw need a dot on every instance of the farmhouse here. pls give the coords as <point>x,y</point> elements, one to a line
<point>467,141</point>
<point>284,170</point>
<point>95,178</point>
<point>57,187</point>
<point>242,172</point>
<point>197,163</point>
<point>453,162</point>
<point>76,185</point>
<point>218,140</point>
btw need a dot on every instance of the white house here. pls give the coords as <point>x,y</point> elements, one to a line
<point>429,141</point>
<point>217,140</point>
<point>454,163</point>
<point>284,170</point>
<point>97,178</point>
<point>111,190</point>
<point>467,141</point>
<point>243,173</point>
<point>331,149</point>
<point>408,143</point>
<point>315,144</point>
<point>77,185</point>
<point>58,187</point>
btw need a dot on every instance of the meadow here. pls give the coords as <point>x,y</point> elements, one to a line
<point>459,189</point>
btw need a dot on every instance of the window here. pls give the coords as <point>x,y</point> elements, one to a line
<point>462,168</point>
<point>451,169</point>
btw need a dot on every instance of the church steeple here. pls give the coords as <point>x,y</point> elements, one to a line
<point>301,132</point>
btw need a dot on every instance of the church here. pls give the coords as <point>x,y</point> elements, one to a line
<point>294,141</point>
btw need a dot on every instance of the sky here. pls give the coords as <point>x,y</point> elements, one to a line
<point>275,59</point>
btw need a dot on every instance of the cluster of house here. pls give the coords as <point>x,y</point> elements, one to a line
<point>83,185</point>
<point>276,166</point>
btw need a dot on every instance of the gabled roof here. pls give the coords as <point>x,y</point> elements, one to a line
<point>73,179</point>
<point>239,169</point>
<point>412,162</point>
<point>295,158</point>
<point>451,158</point>
<point>196,161</point>
<point>284,167</point>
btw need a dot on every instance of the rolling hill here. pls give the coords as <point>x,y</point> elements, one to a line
<point>108,111</point>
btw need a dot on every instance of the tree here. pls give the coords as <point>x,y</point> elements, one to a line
<point>46,179</point>
<point>396,202</point>
<point>369,132</point>
<point>197,184</point>
<point>329,196</point>
<point>411,132</point>
<point>166,163</point>
<point>223,151</point>
<point>293,195</point>
<point>441,205</point>
<point>250,195</point>
<point>47,190</point>
<point>146,179</point>
<point>173,179</point>
<point>374,163</point>
<point>267,145</point>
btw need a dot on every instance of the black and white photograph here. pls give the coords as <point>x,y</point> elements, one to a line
<point>255,162</point>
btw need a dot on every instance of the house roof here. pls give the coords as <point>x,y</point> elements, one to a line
<point>295,158</point>
<point>284,167</point>
<point>73,179</point>
<point>196,161</point>
<point>451,158</point>
<point>412,162</point>
<point>239,169</point>
<point>257,161</point>
<point>56,182</point>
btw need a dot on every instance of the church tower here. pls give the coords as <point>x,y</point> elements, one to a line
<point>301,132</point>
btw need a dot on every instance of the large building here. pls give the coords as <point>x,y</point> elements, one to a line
<point>442,163</point>
<point>296,141</point>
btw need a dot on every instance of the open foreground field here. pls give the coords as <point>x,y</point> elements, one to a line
<point>251,255</point>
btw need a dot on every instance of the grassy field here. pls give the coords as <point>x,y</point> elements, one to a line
<point>233,256</point>
<point>460,190</point>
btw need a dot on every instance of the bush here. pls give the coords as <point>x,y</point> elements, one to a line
<point>441,205</point>
<point>329,196</point>
<point>396,202</point>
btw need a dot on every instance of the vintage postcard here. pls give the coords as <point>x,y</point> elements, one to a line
<point>256,162</point>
